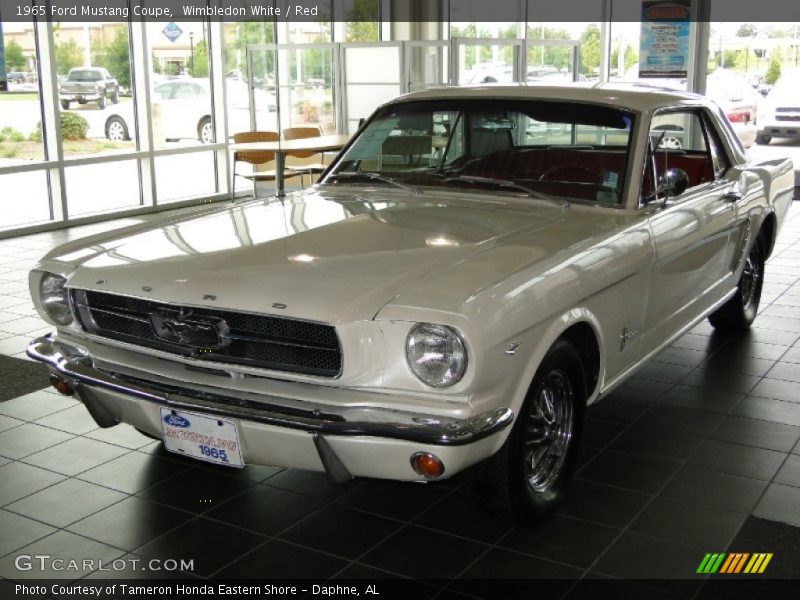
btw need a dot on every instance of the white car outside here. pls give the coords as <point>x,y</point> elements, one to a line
<point>181,110</point>
<point>779,116</point>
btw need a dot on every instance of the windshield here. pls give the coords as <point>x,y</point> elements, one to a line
<point>547,148</point>
<point>85,75</point>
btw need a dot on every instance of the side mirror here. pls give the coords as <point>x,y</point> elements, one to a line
<point>361,122</point>
<point>674,182</point>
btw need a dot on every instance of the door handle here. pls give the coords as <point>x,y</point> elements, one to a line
<point>732,196</point>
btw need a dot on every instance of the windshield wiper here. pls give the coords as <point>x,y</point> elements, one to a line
<point>507,184</point>
<point>417,191</point>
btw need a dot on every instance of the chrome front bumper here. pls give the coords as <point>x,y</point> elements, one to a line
<point>78,369</point>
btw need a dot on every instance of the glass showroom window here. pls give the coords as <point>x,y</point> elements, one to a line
<point>180,101</point>
<point>361,20</point>
<point>95,92</point>
<point>238,36</point>
<point>480,63</point>
<point>21,144</point>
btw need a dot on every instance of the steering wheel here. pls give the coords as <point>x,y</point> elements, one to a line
<point>571,173</point>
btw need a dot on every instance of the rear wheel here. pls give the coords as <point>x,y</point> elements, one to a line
<point>738,313</point>
<point>205,132</point>
<point>763,139</point>
<point>65,104</point>
<point>528,477</point>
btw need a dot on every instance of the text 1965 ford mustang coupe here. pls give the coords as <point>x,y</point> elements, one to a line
<point>475,268</point>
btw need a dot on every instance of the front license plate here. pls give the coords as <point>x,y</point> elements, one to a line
<point>201,437</point>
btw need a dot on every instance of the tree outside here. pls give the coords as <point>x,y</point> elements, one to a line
<point>68,55</point>
<point>774,69</point>
<point>115,58</point>
<point>15,59</point>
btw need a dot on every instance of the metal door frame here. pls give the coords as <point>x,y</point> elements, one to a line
<point>576,52</point>
<point>408,47</point>
<point>519,57</point>
<point>276,48</point>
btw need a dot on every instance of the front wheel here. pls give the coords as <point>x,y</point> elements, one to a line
<point>117,130</point>
<point>115,97</point>
<point>738,313</point>
<point>101,103</point>
<point>528,477</point>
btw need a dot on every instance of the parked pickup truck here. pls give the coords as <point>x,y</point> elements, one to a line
<point>88,84</point>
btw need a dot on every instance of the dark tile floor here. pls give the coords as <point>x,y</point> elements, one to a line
<point>703,438</point>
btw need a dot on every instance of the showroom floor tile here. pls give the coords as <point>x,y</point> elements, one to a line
<point>677,462</point>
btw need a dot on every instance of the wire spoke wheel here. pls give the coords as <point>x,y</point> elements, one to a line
<point>751,277</point>
<point>548,431</point>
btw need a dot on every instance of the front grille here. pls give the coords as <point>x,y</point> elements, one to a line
<point>246,339</point>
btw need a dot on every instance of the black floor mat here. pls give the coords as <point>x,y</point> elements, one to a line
<point>19,377</point>
<point>780,578</point>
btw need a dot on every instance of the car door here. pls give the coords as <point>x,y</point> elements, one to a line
<point>691,231</point>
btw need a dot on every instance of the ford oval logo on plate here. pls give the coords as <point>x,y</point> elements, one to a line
<point>176,421</point>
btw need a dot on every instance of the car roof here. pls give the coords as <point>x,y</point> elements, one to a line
<point>634,96</point>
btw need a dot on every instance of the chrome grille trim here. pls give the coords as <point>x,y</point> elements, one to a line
<point>261,341</point>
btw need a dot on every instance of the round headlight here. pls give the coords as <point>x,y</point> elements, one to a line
<point>53,296</point>
<point>436,354</point>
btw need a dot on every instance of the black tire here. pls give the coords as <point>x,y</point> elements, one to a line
<point>65,104</point>
<point>511,483</point>
<point>101,103</point>
<point>115,97</point>
<point>205,132</point>
<point>117,129</point>
<point>763,140</point>
<point>738,313</point>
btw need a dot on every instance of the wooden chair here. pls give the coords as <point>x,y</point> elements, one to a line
<point>310,169</point>
<point>256,157</point>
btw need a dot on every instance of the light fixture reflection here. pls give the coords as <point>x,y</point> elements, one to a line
<point>303,258</point>
<point>441,240</point>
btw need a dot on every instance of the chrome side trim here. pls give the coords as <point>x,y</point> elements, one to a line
<point>78,368</point>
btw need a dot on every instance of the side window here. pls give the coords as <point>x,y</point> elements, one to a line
<point>680,130</point>
<point>680,142</point>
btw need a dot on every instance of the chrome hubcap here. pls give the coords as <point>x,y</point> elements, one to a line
<point>548,431</point>
<point>115,132</point>
<point>750,278</point>
<point>206,133</point>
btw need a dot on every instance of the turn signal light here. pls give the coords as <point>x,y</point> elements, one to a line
<point>428,465</point>
<point>61,386</point>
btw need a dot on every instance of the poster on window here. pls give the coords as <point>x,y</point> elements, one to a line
<point>664,47</point>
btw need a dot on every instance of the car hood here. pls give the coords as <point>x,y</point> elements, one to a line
<point>329,255</point>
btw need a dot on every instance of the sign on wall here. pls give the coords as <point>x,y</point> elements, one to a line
<point>664,47</point>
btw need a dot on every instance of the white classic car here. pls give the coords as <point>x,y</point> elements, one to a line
<point>475,268</point>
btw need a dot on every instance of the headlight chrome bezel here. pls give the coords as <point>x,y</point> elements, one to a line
<point>452,351</point>
<point>54,298</point>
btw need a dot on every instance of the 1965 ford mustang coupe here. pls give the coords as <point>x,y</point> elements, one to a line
<point>475,267</point>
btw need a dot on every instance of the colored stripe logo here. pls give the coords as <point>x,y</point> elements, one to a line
<point>734,563</point>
